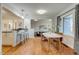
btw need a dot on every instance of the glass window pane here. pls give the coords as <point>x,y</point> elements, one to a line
<point>68,25</point>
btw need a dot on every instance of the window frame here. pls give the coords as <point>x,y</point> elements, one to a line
<point>73,15</point>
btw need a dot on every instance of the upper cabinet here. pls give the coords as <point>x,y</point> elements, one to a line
<point>10,20</point>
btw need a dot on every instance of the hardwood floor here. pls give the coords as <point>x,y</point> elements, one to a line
<point>36,47</point>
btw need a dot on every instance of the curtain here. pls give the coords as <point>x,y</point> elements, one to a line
<point>77,21</point>
<point>58,23</point>
<point>76,42</point>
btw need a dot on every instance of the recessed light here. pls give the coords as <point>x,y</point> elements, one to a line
<point>41,11</point>
<point>22,17</point>
<point>35,20</point>
<point>50,19</point>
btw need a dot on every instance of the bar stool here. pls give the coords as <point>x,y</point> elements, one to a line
<point>22,38</point>
<point>25,37</point>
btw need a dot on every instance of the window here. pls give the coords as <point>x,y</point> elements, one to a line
<point>68,25</point>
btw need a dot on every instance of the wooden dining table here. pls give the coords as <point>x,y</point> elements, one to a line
<point>53,36</point>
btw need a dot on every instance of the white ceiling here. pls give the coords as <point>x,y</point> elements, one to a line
<point>30,9</point>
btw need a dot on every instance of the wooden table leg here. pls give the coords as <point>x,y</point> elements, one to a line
<point>49,45</point>
<point>60,47</point>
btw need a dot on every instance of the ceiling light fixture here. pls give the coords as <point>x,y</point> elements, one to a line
<point>41,11</point>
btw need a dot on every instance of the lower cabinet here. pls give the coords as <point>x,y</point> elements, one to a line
<point>8,38</point>
<point>12,38</point>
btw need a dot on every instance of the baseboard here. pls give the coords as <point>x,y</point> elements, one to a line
<point>67,46</point>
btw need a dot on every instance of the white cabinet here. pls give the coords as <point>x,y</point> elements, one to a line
<point>18,37</point>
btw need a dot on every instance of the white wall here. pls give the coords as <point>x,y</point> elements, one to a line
<point>0,33</point>
<point>36,24</point>
<point>27,22</point>
<point>69,40</point>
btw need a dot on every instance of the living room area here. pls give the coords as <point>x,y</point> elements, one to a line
<point>39,29</point>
